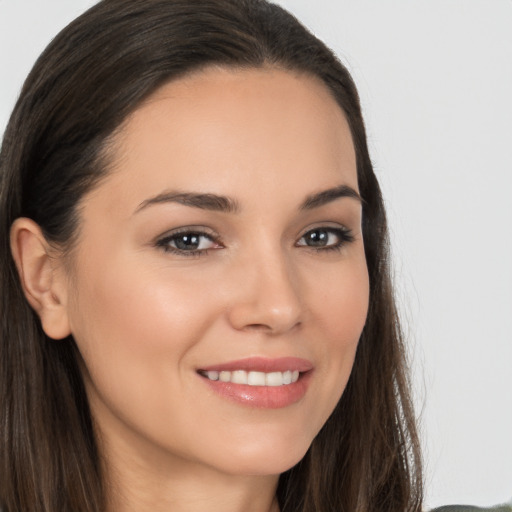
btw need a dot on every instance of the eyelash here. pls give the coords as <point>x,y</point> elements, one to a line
<point>164,243</point>
<point>343,234</point>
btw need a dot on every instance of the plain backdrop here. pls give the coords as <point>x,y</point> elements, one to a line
<point>435,79</point>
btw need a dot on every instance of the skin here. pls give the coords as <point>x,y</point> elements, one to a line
<point>146,319</point>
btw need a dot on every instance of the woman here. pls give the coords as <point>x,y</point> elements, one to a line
<point>196,304</point>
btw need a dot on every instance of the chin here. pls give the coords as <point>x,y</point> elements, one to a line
<point>271,458</point>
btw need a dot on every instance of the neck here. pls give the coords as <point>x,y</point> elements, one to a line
<point>136,491</point>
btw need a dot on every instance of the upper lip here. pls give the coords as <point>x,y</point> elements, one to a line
<point>262,364</point>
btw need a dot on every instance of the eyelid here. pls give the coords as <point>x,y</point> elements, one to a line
<point>199,229</point>
<point>163,240</point>
<point>345,235</point>
<point>327,225</point>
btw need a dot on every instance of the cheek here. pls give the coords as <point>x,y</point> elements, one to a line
<point>127,304</point>
<point>133,326</point>
<point>136,330</point>
<point>339,305</point>
<point>342,304</point>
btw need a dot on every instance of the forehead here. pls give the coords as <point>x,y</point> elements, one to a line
<point>221,130</point>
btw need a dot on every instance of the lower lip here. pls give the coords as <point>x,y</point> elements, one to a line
<point>262,397</point>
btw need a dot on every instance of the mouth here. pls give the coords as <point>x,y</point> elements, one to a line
<point>260,382</point>
<point>253,378</point>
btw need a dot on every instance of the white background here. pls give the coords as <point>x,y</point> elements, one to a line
<point>435,80</point>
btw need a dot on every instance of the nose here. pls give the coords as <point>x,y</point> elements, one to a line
<point>267,297</point>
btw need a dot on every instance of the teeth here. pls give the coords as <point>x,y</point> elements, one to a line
<point>254,378</point>
<point>225,376</point>
<point>274,379</point>
<point>239,377</point>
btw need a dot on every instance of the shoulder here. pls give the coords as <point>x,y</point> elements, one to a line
<point>467,508</point>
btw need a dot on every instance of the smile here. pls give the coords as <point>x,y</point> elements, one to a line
<point>254,378</point>
<point>264,383</point>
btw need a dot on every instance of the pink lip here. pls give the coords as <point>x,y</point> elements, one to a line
<point>263,364</point>
<point>262,397</point>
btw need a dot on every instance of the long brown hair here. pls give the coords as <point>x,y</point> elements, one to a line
<point>56,148</point>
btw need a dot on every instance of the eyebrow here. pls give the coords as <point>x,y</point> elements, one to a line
<point>210,202</point>
<point>217,203</point>
<point>330,195</point>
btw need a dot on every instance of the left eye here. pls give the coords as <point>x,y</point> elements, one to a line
<point>187,242</point>
<point>325,238</point>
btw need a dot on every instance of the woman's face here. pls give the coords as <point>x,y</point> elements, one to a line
<point>219,286</point>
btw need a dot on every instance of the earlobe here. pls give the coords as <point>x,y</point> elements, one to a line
<point>42,280</point>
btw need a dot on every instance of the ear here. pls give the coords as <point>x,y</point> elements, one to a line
<point>42,277</point>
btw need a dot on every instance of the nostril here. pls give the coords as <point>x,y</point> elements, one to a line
<point>258,327</point>
<point>271,328</point>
